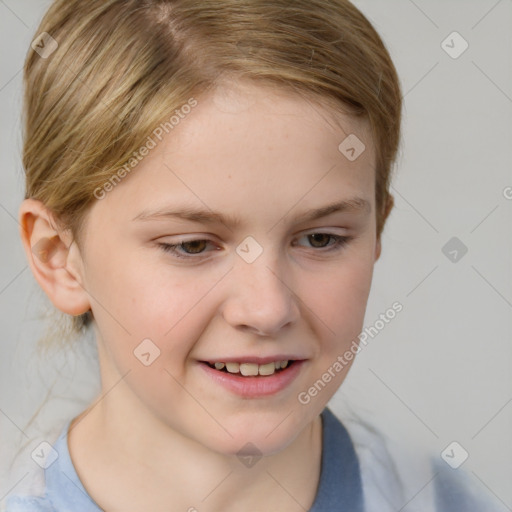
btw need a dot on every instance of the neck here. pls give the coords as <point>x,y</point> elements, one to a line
<point>136,462</point>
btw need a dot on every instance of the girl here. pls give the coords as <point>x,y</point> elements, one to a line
<point>207,183</point>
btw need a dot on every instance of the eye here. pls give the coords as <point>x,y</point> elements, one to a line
<point>195,246</point>
<point>318,240</point>
<point>193,249</point>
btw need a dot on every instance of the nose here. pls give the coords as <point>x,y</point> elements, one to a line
<point>260,299</point>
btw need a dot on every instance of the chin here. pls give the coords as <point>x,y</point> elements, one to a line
<point>255,444</point>
<point>264,433</point>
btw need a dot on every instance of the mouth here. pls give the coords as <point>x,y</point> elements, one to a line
<point>251,369</point>
<point>256,378</point>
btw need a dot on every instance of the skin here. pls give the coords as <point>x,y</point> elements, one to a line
<point>166,433</point>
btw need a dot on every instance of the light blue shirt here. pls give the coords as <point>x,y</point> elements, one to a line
<point>339,487</point>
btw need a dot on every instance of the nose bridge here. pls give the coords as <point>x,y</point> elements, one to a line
<point>260,298</point>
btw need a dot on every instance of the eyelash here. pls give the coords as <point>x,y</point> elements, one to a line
<point>339,243</point>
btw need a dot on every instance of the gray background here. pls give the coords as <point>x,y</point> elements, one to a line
<point>441,370</point>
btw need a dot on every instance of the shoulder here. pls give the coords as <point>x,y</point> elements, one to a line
<point>36,494</point>
<point>382,487</point>
<point>444,490</point>
<point>440,488</point>
<point>354,447</point>
<point>28,504</point>
<point>455,491</point>
<point>63,490</point>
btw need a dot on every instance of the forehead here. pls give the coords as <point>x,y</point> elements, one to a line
<point>252,149</point>
<point>265,110</point>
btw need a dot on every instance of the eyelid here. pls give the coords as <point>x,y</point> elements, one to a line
<point>340,241</point>
<point>200,237</point>
<point>194,237</point>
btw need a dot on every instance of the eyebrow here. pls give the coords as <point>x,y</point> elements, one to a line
<point>352,205</point>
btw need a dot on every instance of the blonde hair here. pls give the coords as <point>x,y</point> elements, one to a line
<point>122,67</point>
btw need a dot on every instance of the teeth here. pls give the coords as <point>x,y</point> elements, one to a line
<point>252,369</point>
<point>232,367</point>
<point>249,369</point>
<point>267,369</point>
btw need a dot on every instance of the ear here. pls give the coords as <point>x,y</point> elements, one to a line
<point>387,210</point>
<point>378,249</point>
<point>53,257</point>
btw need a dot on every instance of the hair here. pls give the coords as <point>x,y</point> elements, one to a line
<point>122,67</point>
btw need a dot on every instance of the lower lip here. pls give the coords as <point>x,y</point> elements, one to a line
<point>253,387</point>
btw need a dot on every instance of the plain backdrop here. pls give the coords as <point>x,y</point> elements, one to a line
<point>441,371</point>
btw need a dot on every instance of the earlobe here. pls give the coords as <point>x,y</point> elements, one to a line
<point>53,258</point>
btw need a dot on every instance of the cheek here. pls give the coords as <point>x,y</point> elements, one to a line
<point>136,290</point>
<point>140,301</point>
<point>339,297</point>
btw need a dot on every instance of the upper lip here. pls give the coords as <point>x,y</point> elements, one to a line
<point>254,359</point>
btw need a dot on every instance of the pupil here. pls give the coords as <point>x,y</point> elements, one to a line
<point>319,235</point>
<point>185,246</point>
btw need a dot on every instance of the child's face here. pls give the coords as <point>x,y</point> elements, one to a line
<point>266,161</point>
